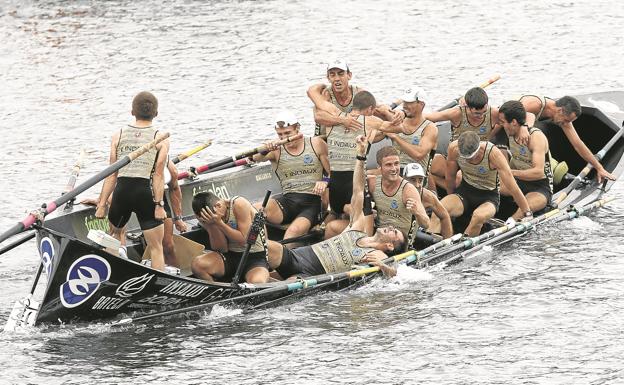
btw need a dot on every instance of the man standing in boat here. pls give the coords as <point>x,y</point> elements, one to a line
<point>530,164</point>
<point>415,174</point>
<point>397,202</point>
<point>138,187</point>
<point>475,116</point>
<point>563,112</point>
<point>340,94</point>
<point>299,166</point>
<point>228,222</point>
<point>481,163</point>
<point>341,145</point>
<point>355,245</point>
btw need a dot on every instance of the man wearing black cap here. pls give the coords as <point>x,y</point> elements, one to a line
<point>481,164</point>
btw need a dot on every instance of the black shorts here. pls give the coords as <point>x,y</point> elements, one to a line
<point>133,195</point>
<point>231,259</point>
<point>301,261</point>
<point>294,205</point>
<point>340,190</point>
<point>541,186</point>
<point>473,197</point>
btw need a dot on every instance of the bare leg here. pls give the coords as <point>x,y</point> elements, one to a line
<point>257,275</point>
<point>482,213</point>
<point>335,227</point>
<point>272,211</point>
<point>537,202</point>
<point>168,246</point>
<point>296,228</point>
<point>274,253</point>
<point>154,240</point>
<point>453,204</point>
<point>208,266</point>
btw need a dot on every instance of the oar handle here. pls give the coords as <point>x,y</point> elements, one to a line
<point>180,157</point>
<point>278,143</point>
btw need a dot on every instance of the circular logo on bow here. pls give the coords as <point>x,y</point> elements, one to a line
<point>46,249</point>
<point>84,277</point>
<point>307,159</point>
<point>394,204</point>
<point>482,170</point>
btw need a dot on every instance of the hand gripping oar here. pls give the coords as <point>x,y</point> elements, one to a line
<point>39,215</point>
<point>286,286</point>
<point>232,160</point>
<point>256,228</point>
<point>190,152</point>
<point>561,195</point>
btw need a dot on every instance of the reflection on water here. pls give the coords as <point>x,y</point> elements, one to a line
<point>545,309</point>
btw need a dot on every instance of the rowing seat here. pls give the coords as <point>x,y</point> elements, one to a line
<point>185,250</point>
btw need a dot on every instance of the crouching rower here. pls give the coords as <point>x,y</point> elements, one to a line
<point>415,174</point>
<point>358,243</point>
<point>227,223</point>
<point>481,163</point>
<point>530,164</point>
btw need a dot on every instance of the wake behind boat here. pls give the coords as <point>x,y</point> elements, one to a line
<point>86,282</point>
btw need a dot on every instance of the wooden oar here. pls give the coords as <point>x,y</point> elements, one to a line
<point>245,154</point>
<point>455,101</point>
<point>193,171</point>
<point>190,152</point>
<point>39,215</point>
<point>282,287</point>
<point>563,194</point>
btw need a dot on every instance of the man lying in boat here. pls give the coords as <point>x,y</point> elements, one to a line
<point>299,166</point>
<point>355,245</point>
<point>139,186</point>
<point>481,163</point>
<point>415,174</point>
<point>475,116</point>
<point>563,112</point>
<point>227,223</point>
<point>341,144</point>
<point>397,202</point>
<point>530,164</point>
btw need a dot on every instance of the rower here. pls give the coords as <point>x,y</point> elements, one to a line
<point>530,164</point>
<point>481,164</point>
<point>342,147</point>
<point>299,166</point>
<point>415,174</point>
<point>397,202</point>
<point>475,116</point>
<point>139,186</point>
<point>228,222</point>
<point>358,243</point>
<point>418,137</point>
<point>562,112</point>
<point>339,93</point>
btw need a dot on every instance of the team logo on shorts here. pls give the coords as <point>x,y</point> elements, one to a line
<point>394,204</point>
<point>415,140</point>
<point>482,130</point>
<point>482,170</point>
<point>84,277</point>
<point>307,159</point>
<point>46,249</point>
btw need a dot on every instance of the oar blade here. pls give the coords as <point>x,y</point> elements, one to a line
<point>23,314</point>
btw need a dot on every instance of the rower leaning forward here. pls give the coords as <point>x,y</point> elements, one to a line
<point>138,187</point>
<point>481,164</point>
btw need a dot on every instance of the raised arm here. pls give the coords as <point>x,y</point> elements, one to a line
<point>359,221</point>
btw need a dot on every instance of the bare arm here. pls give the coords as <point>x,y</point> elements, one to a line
<point>158,180</point>
<point>419,151</point>
<point>584,152</point>
<point>271,155</point>
<point>446,226</point>
<point>359,221</point>
<point>175,193</point>
<point>539,147</point>
<point>452,114</point>
<point>242,211</point>
<point>451,167</point>
<point>218,241</point>
<point>320,147</point>
<point>411,199</point>
<point>499,162</point>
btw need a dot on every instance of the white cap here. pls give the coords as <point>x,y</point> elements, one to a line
<point>413,169</point>
<point>414,94</point>
<point>287,117</point>
<point>338,63</point>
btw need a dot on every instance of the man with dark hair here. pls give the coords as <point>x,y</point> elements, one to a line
<point>228,223</point>
<point>138,187</point>
<point>481,163</point>
<point>342,147</point>
<point>299,165</point>
<point>563,112</point>
<point>397,202</point>
<point>530,164</point>
<point>475,116</point>
<point>356,244</point>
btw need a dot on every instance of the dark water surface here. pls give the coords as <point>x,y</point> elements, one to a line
<point>548,309</point>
